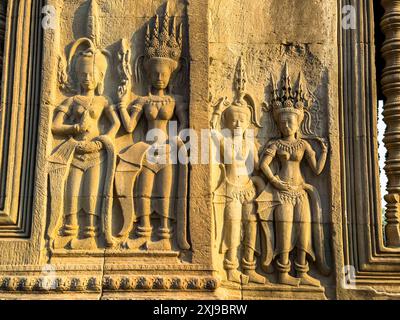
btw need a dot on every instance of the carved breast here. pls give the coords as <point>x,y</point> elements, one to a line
<point>296,155</point>
<point>160,110</point>
<point>290,152</point>
<point>89,112</point>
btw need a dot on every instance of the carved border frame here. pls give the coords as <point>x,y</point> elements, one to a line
<point>19,116</point>
<point>363,239</point>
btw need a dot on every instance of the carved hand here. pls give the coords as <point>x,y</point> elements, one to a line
<point>324,144</point>
<point>218,109</point>
<point>123,94</point>
<point>279,184</point>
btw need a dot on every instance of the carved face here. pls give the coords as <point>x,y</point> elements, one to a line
<point>87,74</point>
<point>237,120</point>
<point>288,124</point>
<point>160,73</point>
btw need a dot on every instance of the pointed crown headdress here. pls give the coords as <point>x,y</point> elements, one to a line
<point>243,102</point>
<point>86,50</point>
<point>288,98</point>
<point>161,41</point>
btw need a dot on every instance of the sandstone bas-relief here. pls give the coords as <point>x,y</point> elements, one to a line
<point>263,190</point>
<point>149,163</point>
<point>143,173</point>
<point>238,188</point>
<point>256,203</point>
<point>128,226</point>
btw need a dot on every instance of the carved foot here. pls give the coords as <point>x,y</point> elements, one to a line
<point>238,277</point>
<point>254,277</point>
<point>136,243</point>
<point>307,280</point>
<point>84,244</point>
<point>285,278</point>
<point>164,244</point>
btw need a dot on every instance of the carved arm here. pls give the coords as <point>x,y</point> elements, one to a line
<point>130,121</point>
<point>182,109</point>
<point>114,120</point>
<point>266,169</point>
<point>58,126</point>
<point>317,166</point>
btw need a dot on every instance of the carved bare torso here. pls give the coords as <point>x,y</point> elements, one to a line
<point>290,157</point>
<point>159,111</point>
<point>237,161</point>
<point>87,111</point>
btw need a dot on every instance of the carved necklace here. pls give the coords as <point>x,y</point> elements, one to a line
<point>160,101</point>
<point>290,147</point>
<point>87,106</point>
<point>83,101</point>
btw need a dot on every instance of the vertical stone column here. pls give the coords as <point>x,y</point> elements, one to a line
<point>391,88</point>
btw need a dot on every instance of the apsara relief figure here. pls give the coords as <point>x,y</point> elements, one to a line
<point>238,188</point>
<point>148,166</point>
<point>81,168</point>
<point>290,208</point>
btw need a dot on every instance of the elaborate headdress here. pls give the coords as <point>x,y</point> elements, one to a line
<point>243,102</point>
<point>161,41</point>
<point>288,98</point>
<point>85,50</point>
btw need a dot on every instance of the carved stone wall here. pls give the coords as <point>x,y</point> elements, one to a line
<point>280,199</point>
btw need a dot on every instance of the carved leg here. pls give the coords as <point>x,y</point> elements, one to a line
<point>284,229</point>
<point>165,235</point>
<point>144,229</point>
<point>232,232</point>
<point>304,245</point>
<point>92,190</point>
<point>164,184</point>
<point>71,225</point>
<point>90,230</point>
<point>249,261</point>
<point>72,195</point>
